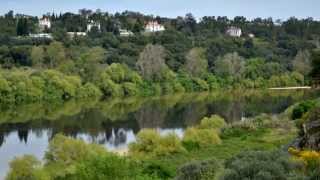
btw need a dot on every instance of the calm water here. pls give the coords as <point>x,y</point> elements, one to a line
<point>114,123</point>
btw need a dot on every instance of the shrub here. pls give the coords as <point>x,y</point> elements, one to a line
<point>260,165</point>
<point>202,137</point>
<point>149,142</point>
<point>63,153</point>
<point>199,170</point>
<point>299,110</point>
<point>89,90</point>
<point>200,85</point>
<point>213,122</point>
<point>311,159</point>
<point>24,168</point>
<point>130,89</point>
<point>107,166</point>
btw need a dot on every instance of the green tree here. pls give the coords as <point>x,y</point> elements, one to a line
<point>230,65</point>
<point>56,54</point>
<point>24,168</point>
<point>302,62</point>
<point>196,62</point>
<point>37,56</point>
<point>151,62</point>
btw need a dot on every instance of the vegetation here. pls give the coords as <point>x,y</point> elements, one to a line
<point>189,56</point>
<point>155,156</point>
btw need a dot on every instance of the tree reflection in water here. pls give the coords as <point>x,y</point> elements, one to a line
<point>110,121</point>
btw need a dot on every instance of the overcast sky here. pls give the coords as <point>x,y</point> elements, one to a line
<point>278,9</point>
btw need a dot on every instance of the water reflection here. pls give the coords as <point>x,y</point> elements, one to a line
<point>26,129</point>
<point>110,121</point>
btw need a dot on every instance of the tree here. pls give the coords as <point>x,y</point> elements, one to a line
<point>56,54</point>
<point>22,27</point>
<point>196,63</point>
<point>229,65</point>
<point>315,56</point>
<point>151,62</point>
<point>302,62</point>
<point>23,168</point>
<point>37,56</point>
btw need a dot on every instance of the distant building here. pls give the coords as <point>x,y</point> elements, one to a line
<point>125,33</point>
<point>234,32</point>
<point>251,35</point>
<point>44,23</point>
<point>41,36</point>
<point>154,26</point>
<point>74,34</point>
<point>92,24</point>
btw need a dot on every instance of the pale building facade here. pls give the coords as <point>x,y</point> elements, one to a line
<point>234,32</point>
<point>45,23</point>
<point>154,26</point>
<point>92,24</point>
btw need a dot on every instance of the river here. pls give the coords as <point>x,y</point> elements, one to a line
<point>113,123</point>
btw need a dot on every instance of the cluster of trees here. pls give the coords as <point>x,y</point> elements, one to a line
<point>29,86</point>
<point>189,56</point>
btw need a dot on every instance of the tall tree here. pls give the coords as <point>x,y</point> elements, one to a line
<point>302,62</point>
<point>196,62</point>
<point>37,56</point>
<point>230,65</point>
<point>56,54</point>
<point>151,61</point>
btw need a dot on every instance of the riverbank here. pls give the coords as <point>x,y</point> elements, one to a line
<point>263,132</point>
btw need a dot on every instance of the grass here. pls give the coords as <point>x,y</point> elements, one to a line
<point>233,142</point>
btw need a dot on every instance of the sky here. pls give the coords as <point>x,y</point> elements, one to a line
<point>277,9</point>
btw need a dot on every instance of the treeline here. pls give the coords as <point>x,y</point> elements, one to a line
<point>189,56</point>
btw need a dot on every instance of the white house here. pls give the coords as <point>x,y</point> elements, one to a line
<point>154,26</point>
<point>45,23</point>
<point>74,34</point>
<point>234,31</point>
<point>92,24</point>
<point>125,33</point>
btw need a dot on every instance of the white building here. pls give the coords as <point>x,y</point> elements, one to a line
<point>41,36</point>
<point>154,26</point>
<point>125,33</point>
<point>92,24</point>
<point>74,34</point>
<point>45,23</point>
<point>234,31</point>
<point>251,35</point>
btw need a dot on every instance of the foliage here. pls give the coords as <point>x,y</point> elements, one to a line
<point>150,142</point>
<point>196,64</point>
<point>213,122</point>
<point>64,152</point>
<point>25,168</point>
<point>151,62</point>
<point>229,65</point>
<point>201,137</point>
<point>311,160</point>
<point>260,165</point>
<point>199,170</point>
<point>302,108</point>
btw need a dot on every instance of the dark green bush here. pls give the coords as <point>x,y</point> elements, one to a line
<point>302,108</point>
<point>199,170</point>
<point>260,165</point>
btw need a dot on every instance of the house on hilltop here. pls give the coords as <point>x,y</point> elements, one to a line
<point>234,31</point>
<point>154,26</point>
<point>44,23</point>
<point>92,24</point>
